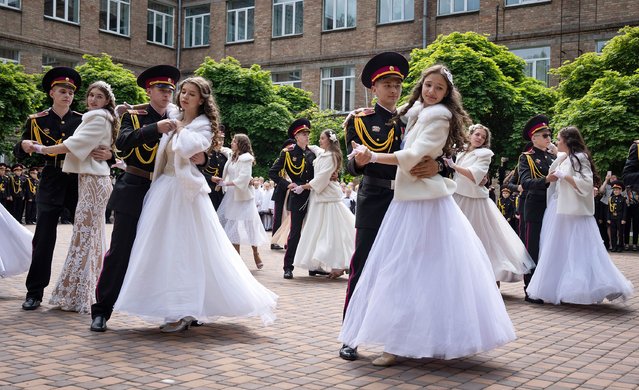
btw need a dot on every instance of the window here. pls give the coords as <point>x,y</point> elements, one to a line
<point>390,11</point>
<point>292,78</point>
<point>10,3</point>
<point>239,20</point>
<point>197,21</point>
<point>54,61</point>
<point>521,2</point>
<point>66,10</point>
<point>337,89</point>
<point>115,16</point>
<point>9,55</point>
<point>447,7</point>
<point>288,17</point>
<point>339,14</point>
<point>159,26</point>
<point>537,61</point>
<point>599,45</point>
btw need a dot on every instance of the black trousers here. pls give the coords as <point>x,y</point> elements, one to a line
<point>632,223</point>
<point>616,234</point>
<point>364,240</point>
<point>277,216</point>
<point>43,246</point>
<point>115,264</point>
<point>18,208</point>
<point>532,233</point>
<point>297,219</point>
<point>216,198</point>
<point>30,213</point>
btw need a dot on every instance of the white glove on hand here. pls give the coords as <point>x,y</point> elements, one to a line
<point>450,162</point>
<point>374,157</point>
<point>221,184</point>
<point>560,175</point>
<point>38,148</point>
<point>358,150</point>
<point>298,190</point>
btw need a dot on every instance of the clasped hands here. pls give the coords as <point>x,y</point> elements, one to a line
<point>426,168</point>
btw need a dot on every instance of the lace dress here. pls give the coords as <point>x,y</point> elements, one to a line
<point>75,290</point>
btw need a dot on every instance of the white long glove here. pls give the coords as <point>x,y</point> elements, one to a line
<point>298,190</point>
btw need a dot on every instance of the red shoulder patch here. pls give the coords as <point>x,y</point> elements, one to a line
<point>366,112</point>
<point>137,112</point>
<point>289,148</point>
<point>39,114</point>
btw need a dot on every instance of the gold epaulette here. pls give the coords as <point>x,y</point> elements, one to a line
<point>137,112</point>
<point>77,113</point>
<point>39,114</point>
<point>528,152</point>
<point>289,148</point>
<point>366,112</point>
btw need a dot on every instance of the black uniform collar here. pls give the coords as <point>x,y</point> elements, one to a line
<point>383,111</point>
<point>55,114</point>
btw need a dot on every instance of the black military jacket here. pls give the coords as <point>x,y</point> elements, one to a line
<point>533,169</point>
<point>298,165</point>
<point>631,168</point>
<point>214,167</point>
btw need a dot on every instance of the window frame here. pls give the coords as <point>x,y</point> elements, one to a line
<point>165,16</point>
<point>59,62</point>
<point>346,9</point>
<point>600,44</point>
<point>120,5</point>
<point>4,60</point>
<point>391,20</point>
<point>524,2</point>
<point>347,106</point>
<point>289,82</point>
<point>236,12</point>
<point>534,61</point>
<point>452,8</point>
<point>205,28</point>
<point>4,4</point>
<point>283,4</point>
<point>66,10</point>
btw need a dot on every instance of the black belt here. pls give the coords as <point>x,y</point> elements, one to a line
<point>375,181</point>
<point>139,172</point>
<point>56,163</point>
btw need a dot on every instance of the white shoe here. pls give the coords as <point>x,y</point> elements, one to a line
<point>178,326</point>
<point>387,359</point>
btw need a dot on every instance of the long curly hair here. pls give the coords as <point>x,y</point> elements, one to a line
<point>574,141</point>
<point>334,148</point>
<point>453,101</point>
<point>243,146</point>
<point>105,88</point>
<point>208,107</point>
<point>473,128</point>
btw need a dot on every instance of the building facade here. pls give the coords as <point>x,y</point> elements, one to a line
<point>318,45</point>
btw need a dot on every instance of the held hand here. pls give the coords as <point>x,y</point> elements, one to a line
<point>120,109</point>
<point>361,154</point>
<point>560,175</point>
<point>101,153</point>
<point>450,162</point>
<point>298,190</point>
<point>426,168</point>
<point>27,146</point>
<point>552,149</point>
<point>291,186</point>
<point>119,164</point>
<point>166,125</point>
<point>198,158</point>
<point>483,181</point>
<point>216,179</point>
<point>37,148</point>
<point>551,178</point>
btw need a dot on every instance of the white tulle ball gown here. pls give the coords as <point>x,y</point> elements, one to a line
<point>15,250</point>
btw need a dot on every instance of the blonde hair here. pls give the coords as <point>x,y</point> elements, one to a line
<point>473,128</point>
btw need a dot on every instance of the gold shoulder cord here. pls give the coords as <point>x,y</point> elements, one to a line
<point>533,168</point>
<point>501,206</point>
<point>36,132</point>
<point>136,125</point>
<point>369,142</point>
<point>32,187</point>
<point>294,169</point>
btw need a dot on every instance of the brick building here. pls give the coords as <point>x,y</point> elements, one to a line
<point>318,45</point>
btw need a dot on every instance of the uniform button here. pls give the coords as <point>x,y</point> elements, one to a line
<point>62,122</point>
<point>377,139</point>
<point>63,134</point>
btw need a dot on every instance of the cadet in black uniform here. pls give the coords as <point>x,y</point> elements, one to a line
<point>617,214</point>
<point>137,143</point>
<point>506,206</point>
<point>215,168</point>
<point>30,192</point>
<point>4,186</point>
<point>297,161</point>
<point>379,131</point>
<point>630,177</point>
<point>533,169</point>
<point>279,195</point>
<point>17,191</point>
<point>57,189</point>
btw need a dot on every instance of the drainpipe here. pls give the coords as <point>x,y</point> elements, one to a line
<point>178,44</point>
<point>424,23</point>
<point>497,23</point>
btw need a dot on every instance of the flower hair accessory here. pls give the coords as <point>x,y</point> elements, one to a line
<point>332,136</point>
<point>448,75</point>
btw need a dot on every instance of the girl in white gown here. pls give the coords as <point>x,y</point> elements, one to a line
<point>182,265</point>
<point>574,266</point>
<point>508,255</point>
<point>15,250</point>
<point>327,241</point>
<point>428,289</point>
<point>237,212</point>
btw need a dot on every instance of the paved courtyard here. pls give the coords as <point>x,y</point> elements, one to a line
<point>562,347</point>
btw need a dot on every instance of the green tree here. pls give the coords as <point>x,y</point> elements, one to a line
<point>250,103</point>
<point>600,95</point>
<point>495,90</point>
<point>123,81</point>
<point>19,98</point>
<point>295,99</point>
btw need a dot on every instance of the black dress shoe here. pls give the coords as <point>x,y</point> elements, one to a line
<point>533,300</point>
<point>98,324</point>
<point>275,246</point>
<point>348,353</point>
<point>288,274</point>
<point>31,304</point>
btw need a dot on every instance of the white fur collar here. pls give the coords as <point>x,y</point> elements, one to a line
<point>173,111</point>
<point>101,112</point>
<point>483,152</point>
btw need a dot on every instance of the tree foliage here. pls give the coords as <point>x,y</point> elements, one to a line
<point>249,103</point>
<point>600,95</point>
<point>491,80</point>
<point>122,80</point>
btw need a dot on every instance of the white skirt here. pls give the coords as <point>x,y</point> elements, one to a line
<point>183,264</point>
<point>508,255</point>
<point>15,250</point>
<point>574,266</point>
<point>241,220</point>
<point>427,289</point>
<point>328,237</point>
